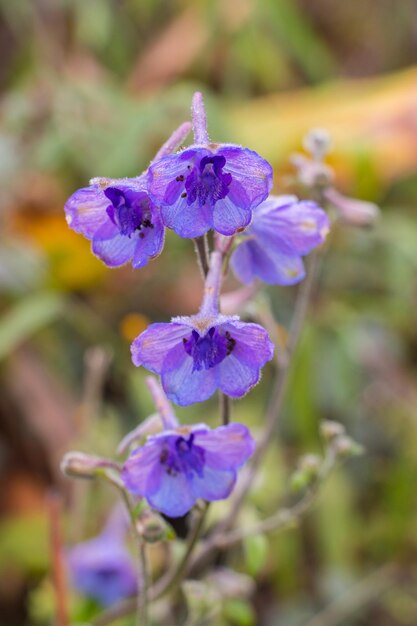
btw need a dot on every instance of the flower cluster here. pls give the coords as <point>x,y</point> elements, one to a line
<point>205,186</point>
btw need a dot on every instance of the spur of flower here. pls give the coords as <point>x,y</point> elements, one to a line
<point>208,185</point>
<point>181,465</point>
<point>283,230</point>
<point>119,217</point>
<point>102,568</point>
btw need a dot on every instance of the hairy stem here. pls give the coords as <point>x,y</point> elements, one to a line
<point>283,517</point>
<point>198,114</point>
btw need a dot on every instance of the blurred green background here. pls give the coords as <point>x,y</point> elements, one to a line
<point>91,88</point>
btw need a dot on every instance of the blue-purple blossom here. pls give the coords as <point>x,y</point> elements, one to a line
<point>178,466</point>
<point>213,186</point>
<point>197,355</point>
<point>102,568</point>
<point>283,230</point>
<point>119,218</point>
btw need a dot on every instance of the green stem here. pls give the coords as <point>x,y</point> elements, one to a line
<point>202,252</point>
<point>174,579</point>
<point>225,408</point>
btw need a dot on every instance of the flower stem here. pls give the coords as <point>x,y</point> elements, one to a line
<point>225,408</point>
<point>284,517</point>
<point>202,252</point>
<point>278,394</point>
<point>212,287</point>
<point>174,579</point>
<point>198,113</point>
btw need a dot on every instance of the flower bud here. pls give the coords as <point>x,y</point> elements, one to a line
<point>312,174</point>
<point>329,430</point>
<point>308,470</point>
<point>151,527</point>
<point>345,447</point>
<point>352,211</point>
<point>79,465</point>
<point>318,143</point>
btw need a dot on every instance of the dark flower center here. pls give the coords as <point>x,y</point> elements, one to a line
<point>206,183</point>
<point>210,349</point>
<point>183,456</point>
<point>130,211</point>
<point>105,574</point>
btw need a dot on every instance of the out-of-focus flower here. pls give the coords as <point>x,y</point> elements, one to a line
<point>102,567</point>
<point>282,231</point>
<point>178,466</point>
<point>119,218</point>
<point>351,210</point>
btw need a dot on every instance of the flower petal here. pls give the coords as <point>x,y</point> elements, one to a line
<point>226,447</point>
<point>243,264</point>
<point>149,243</point>
<point>213,484</point>
<point>293,228</point>
<point>174,496</point>
<point>142,472</point>
<point>253,345</point>
<point>116,251</point>
<point>187,220</point>
<point>85,211</point>
<point>237,378</point>
<point>274,267</point>
<point>228,218</point>
<point>151,347</point>
<point>183,385</point>
<point>162,174</point>
<point>250,170</point>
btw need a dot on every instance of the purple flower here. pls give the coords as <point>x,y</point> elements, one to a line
<point>119,218</point>
<point>214,186</point>
<point>282,231</point>
<point>102,568</point>
<point>195,356</point>
<point>177,467</point>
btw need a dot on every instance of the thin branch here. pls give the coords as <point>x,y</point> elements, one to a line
<point>174,579</point>
<point>278,392</point>
<point>362,593</point>
<point>283,517</point>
